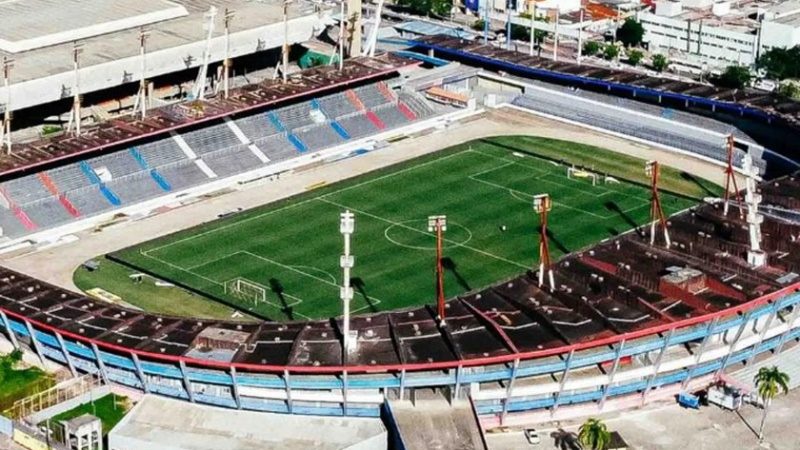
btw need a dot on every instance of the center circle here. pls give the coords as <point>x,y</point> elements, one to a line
<point>414,234</point>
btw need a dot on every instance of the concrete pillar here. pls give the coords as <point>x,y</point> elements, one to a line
<point>140,373</point>
<point>563,380</point>
<point>67,357</point>
<point>187,384</point>
<point>699,354</point>
<point>36,346</point>
<point>657,364</point>
<point>100,364</point>
<point>735,341</point>
<point>509,391</point>
<point>289,403</point>
<point>235,388</point>
<point>763,332</point>
<point>611,375</point>
<point>7,325</point>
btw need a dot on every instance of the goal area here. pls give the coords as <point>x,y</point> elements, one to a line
<point>247,290</point>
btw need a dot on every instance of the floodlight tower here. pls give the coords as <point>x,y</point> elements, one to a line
<point>5,126</point>
<point>756,257</point>
<point>140,104</point>
<point>75,114</point>
<point>438,224</point>
<point>730,179</point>
<point>542,205</point>
<point>653,170</point>
<point>226,63</point>
<point>285,49</point>
<point>347,226</point>
<point>199,91</point>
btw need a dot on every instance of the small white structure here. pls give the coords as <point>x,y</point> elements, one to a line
<point>83,433</point>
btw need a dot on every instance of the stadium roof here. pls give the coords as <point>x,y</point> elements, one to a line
<point>33,24</point>
<point>764,104</point>
<point>108,33</point>
<point>126,130</point>
<point>621,289</point>
<point>167,424</point>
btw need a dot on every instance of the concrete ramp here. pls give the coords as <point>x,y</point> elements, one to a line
<point>436,425</point>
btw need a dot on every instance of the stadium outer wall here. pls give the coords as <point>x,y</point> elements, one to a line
<point>641,366</point>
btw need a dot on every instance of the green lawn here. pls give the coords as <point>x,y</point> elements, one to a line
<point>109,409</point>
<point>114,278</point>
<point>16,384</point>
<point>291,248</point>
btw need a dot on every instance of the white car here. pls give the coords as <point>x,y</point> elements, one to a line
<point>532,436</point>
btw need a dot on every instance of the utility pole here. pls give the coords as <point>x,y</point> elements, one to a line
<point>285,50</point>
<point>542,205</point>
<point>5,127</point>
<point>438,225</point>
<point>730,179</point>
<point>75,114</point>
<point>342,31</point>
<point>347,226</point>
<point>580,38</point>
<point>226,63</point>
<point>140,104</point>
<point>653,170</point>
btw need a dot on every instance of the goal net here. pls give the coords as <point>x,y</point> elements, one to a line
<point>247,290</point>
<point>575,173</point>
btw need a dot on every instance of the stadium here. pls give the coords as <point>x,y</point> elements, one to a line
<point>566,281</point>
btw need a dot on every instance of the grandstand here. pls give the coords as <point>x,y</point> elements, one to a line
<point>625,322</point>
<point>191,158</point>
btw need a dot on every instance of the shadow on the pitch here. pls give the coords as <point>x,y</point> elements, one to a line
<point>557,242</point>
<point>613,207</point>
<point>359,285</point>
<point>450,265</point>
<point>277,288</point>
<point>699,183</point>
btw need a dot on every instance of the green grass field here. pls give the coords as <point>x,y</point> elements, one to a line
<point>110,409</point>
<point>291,248</point>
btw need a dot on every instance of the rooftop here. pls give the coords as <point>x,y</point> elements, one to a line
<point>33,24</point>
<point>173,424</point>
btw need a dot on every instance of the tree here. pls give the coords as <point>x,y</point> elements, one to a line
<point>660,62</point>
<point>478,25</point>
<point>428,7</point>
<point>630,33</point>
<point>594,434</point>
<point>734,77</point>
<point>781,63</point>
<point>635,56</point>
<point>770,381</point>
<point>610,52</point>
<point>591,48</point>
<point>790,89</point>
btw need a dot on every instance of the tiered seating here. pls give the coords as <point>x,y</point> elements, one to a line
<point>146,171</point>
<point>211,139</point>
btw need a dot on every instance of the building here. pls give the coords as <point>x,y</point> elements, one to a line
<point>706,35</point>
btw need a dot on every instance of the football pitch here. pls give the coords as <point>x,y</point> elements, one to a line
<point>284,257</point>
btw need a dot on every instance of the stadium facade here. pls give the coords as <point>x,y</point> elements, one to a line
<point>625,321</point>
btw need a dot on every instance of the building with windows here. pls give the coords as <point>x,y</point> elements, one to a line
<point>707,34</point>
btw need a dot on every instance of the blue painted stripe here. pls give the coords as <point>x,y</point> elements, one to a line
<point>315,104</point>
<point>276,122</point>
<point>110,195</point>
<point>162,183</point>
<point>138,157</point>
<point>90,173</point>
<point>92,176</point>
<point>339,129</point>
<point>298,144</point>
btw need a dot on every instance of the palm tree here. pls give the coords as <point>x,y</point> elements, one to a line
<point>769,382</point>
<point>594,434</point>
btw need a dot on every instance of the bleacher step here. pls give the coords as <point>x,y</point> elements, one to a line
<point>244,139</point>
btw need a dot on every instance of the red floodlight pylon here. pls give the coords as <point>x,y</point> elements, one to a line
<point>438,224</point>
<point>543,205</point>
<point>730,179</point>
<point>653,169</point>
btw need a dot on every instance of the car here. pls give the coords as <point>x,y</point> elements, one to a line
<point>532,436</point>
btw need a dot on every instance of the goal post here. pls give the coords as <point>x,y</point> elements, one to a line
<point>247,290</point>
<point>576,173</point>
